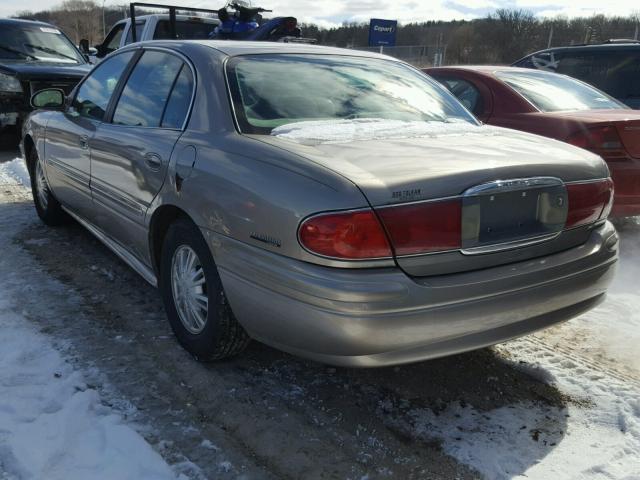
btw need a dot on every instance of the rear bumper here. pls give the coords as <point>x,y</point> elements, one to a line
<point>375,317</point>
<point>626,179</point>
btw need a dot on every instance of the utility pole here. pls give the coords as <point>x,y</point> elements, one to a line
<point>550,37</point>
<point>104,23</point>
<point>635,36</point>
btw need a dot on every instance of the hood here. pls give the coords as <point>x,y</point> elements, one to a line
<point>44,70</point>
<point>406,164</point>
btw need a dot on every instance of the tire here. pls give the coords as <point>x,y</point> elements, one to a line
<point>207,333</point>
<point>49,209</point>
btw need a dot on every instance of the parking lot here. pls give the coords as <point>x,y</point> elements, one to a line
<point>563,401</point>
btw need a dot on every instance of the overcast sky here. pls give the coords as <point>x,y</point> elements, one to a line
<point>334,12</point>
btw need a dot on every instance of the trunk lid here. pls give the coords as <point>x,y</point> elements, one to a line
<point>626,122</point>
<point>396,170</point>
<point>392,172</point>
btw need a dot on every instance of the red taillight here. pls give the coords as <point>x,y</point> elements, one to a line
<point>424,227</point>
<point>347,235</point>
<point>597,139</point>
<point>589,202</point>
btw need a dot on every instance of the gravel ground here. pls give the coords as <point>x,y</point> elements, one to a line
<point>264,414</point>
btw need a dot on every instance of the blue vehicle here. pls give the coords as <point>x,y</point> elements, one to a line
<point>613,67</point>
<point>244,24</point>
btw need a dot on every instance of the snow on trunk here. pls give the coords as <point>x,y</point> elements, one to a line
<point>342,131</point>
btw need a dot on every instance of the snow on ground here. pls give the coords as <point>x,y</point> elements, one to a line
<point>597,436</point>
<point>615,326</point>
<point>16,169</point>
<point>340,131</point>
<point>52,425</point>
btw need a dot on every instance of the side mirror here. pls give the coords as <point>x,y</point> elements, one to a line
<point>101,50</point>
<point>84,46</point>
<point>51,98</point>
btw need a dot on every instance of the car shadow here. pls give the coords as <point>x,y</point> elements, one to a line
<point>8,153</point>
<point>437,405</point>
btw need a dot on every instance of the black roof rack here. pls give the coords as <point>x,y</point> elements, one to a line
<point>172,16</point>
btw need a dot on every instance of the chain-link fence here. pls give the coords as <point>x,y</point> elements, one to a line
<point>419,55</point>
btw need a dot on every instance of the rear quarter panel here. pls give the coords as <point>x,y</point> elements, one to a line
<point>240,187</point>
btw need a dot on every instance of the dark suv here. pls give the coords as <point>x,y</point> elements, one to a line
<point>33,56</point>
<point>613,67</point>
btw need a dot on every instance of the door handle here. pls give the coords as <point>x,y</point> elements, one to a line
<point>84,142</point>
<point>153,161</point>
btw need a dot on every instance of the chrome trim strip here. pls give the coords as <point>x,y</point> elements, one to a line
<point>497,185</point>
<point>144,271</point>
<point>500,247</point>
<point>594,180</point>
<point>230,96</point>
<point>457,197</point>
<point>70,173</point>
<point>417,202</point>
<point>111,195</point>
<point>511,185</point>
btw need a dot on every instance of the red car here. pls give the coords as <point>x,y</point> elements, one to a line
<point>559,107</point>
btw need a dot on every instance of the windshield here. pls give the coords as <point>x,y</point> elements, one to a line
<point>37,43</point>
<point>550,92</point>
<point>273,90</point>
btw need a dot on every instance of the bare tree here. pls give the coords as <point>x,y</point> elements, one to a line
<point>79,19</point>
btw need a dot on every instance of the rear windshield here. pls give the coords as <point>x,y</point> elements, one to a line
<point>193,29</point>
<point>549,92</point>
<point>615,71</point>
<point>273,90</point>
<point>37,43</point>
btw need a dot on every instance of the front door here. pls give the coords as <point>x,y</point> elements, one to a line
<point>69,135</point>
<point>130,153</point>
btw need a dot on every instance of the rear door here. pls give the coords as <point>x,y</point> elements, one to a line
<point>131,152</point>
<point>69,134</point>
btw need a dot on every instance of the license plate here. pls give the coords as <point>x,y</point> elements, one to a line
<point>513,212</point>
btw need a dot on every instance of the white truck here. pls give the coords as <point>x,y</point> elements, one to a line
<point>155,27</point>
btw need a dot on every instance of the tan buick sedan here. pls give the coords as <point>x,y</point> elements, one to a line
<point>335,204</point>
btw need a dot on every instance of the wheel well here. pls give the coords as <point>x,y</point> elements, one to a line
<point>162,218</point>
<point>29,146</point>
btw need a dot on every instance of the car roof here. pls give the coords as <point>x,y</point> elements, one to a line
<point>233,48</point>
<point>19,21</point>
<point>614,45</point>
<point>595,47</point>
